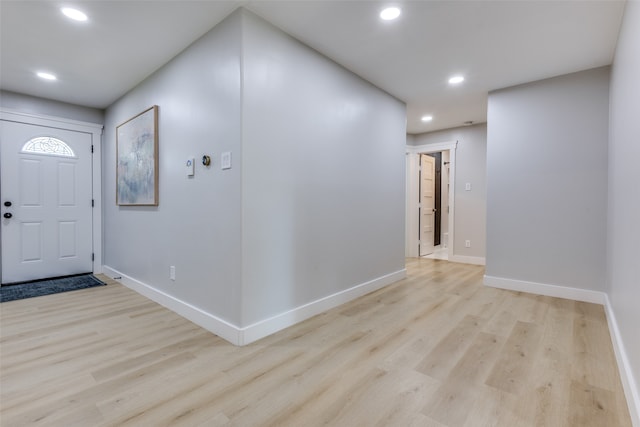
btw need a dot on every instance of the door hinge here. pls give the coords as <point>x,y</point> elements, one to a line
<point>92,148</point>
<point>93,256</point>
<point>93,203</point>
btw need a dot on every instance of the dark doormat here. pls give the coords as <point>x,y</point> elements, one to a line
<point>48,287</point>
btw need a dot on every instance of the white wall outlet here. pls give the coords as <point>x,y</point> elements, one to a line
<point>467,243</point>
<point>467,186</point>
<point>172,272</point>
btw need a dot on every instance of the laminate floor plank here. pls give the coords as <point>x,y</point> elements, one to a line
<point>501,323</point>
<point>439,362</point>
<point>404,407</point>
<point>592,405</point>
<point>436,349</point>
<point>453,400</point>
<point>546,398</point>
<point>513,368</point>
<point>154,398</point>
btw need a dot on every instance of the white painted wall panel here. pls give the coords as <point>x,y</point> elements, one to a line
<point>547,181</point>
<point>197,225</point>
<point>623,268</point>
<point>313,204</point>
<point>323,176</point>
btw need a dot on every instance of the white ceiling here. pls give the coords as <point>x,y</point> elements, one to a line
<point>494,44</point>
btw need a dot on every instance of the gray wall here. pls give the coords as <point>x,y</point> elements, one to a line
<point>197,225</point>
<point>314,202</point>
<point>323,176</point>
<point>40,106</point>
<point>547,181</point>
<point>471,167</point>
<point>623,255</point>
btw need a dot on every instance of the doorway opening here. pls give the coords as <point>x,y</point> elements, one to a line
<point>423,237</point>
<point>437,194</point>
<point>441,217</point>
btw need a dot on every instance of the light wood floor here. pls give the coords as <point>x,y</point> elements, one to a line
<point>436,349</point>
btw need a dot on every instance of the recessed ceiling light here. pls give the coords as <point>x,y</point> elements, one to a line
<point>456,80</point>
<point>426,118</point>
<point>390,13</point>
<point>46,76</point>
<point>74,14</point>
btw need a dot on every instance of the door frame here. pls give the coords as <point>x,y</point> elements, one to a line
<point>412,165</point>
<point>95,130</point>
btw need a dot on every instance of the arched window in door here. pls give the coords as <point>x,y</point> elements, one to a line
<point>48,145</point>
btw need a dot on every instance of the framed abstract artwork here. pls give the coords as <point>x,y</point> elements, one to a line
<point>137,160</point>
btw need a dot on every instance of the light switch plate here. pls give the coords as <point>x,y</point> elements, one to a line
<point>225,160</point>
<point>190,164</point>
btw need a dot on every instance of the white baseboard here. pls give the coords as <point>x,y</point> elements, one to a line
<point>281,321</point>
<point>243,336</point>
<point>201,318</point>
<point>545,289</point>
<point>476,260</point>
<point>631,391</point>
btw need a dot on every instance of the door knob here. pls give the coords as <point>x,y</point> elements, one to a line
<point>7,215</point>
<point>7,204</point>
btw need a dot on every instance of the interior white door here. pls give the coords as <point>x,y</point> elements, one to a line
<point>46,193</point>
<point>427,203</point>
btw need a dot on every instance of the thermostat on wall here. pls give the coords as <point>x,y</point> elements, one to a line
<point>191,165</point>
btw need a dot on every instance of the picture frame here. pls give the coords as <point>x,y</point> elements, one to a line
<point>137,160</point>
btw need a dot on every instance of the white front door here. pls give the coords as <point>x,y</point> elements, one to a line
<point>427,203</point>
<point>46,196</point>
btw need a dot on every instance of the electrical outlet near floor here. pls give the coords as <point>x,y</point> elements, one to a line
<point>172,272</point>
<point>467,243</point>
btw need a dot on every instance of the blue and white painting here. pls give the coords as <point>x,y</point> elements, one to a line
<point>137,145</point>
